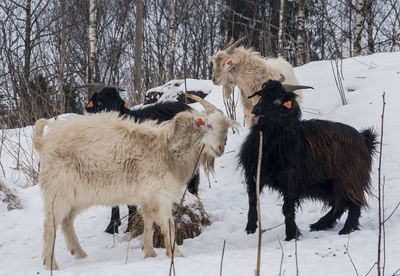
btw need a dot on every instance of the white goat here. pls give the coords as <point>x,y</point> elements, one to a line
<point>103,159</point>
<point>248,70</point>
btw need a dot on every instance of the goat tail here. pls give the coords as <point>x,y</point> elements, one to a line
<point>38,134</point>
<point>370,139</point>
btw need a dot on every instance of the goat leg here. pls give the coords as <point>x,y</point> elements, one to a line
<point>289,211</point>
<point>115,221</point>
<point>132,214</point>
<point>351,223</point>
<point>252,215</point>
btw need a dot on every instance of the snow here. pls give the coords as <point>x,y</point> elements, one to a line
<point>172,89</point>
<point>319,253</point>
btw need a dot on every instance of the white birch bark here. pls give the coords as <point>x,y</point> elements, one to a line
<point>92,41</point>
<point>171,43</point>
<point>281,27</point>
<point>300,33</point>
<point>358,27</point>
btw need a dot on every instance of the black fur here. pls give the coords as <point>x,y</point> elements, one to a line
<point>108,99</point>
<point>309,159</point>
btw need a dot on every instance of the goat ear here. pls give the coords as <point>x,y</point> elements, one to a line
<point>201,124</point>
<point>92,101</point>
<point>230,63</point>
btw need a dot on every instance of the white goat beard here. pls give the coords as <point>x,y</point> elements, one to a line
<point>207,162</point>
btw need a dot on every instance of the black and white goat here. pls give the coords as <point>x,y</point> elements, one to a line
<point>306,159</point>
<point>108,99</point>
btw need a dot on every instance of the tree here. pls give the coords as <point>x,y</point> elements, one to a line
<point>359,26</point>
<point>137,70</point>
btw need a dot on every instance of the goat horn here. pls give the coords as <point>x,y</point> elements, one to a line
<point>282,78</point>
<point>292,87</point>
<point>208,107</point>
<point>229,43</point>
<point>232,46</point>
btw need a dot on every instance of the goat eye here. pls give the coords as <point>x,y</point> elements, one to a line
<point>209,126</point>
<point>278,102</point>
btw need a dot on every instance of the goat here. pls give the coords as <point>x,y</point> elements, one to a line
<point>306,159</point>
<point>248,70</point>
<point>105,159</point>
<point>108,99</point>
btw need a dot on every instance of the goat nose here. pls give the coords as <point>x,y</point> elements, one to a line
<point>221,149</point>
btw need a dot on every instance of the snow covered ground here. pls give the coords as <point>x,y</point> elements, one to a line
<point>319,253</point>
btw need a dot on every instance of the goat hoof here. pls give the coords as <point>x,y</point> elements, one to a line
<point>251,229</point>
<point>150,253</point>
<point>47,264</point>
<point>318,227</point>
<point>177,253</point>
<point>347,231</point>
<point>80,254</point>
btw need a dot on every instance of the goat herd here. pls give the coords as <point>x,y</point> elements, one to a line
<point>146,156</point>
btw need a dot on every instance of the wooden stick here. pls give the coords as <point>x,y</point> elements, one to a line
<point>260,232</point>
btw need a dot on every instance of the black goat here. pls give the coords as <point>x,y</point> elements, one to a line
<point>108,99</point>
<point>309,159</point>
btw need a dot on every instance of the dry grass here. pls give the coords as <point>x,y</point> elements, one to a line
<point>190,219</point>
<point>9,198</point>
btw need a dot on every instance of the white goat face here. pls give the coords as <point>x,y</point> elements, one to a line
<point>215,138</point>
<point>219,60</point>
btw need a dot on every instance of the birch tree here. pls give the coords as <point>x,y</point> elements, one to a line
<point>300,49</point>
<point>171,42</point>
<point>358,27</point>
<point>92,42</point>
<point>281,28</point>
<point>137,70</point>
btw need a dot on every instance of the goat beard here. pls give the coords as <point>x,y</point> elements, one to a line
<point>207,162</point>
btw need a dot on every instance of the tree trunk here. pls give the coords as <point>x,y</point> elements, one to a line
<point>281,28</point>
<point>62,58</point>
<point>25,101</point>
<point>370,25</point>
<point>300,50</point>
<point>92,43</point>
<point>137,70</point>
<point>358,27</point>
<point>171,42</point>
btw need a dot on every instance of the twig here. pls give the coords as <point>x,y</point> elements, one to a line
<point>194,170</point>
<point>282,256</point>
<point>391,214</point>
<point>260,232</point>
<point>172,246</point>
<point>372,267</point>
<point>222,258</point>
<point>54,236</point>
<point>295,253</point>
<point>348,254</point>
<point>273,227</point>
<point>395,273</point>
<point>380,189</point>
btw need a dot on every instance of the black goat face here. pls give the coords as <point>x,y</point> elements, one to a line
<point>275,104</point>
<point>108,99</point>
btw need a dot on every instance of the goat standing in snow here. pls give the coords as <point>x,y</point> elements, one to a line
<point>248,70</point>
<point>314,159</point>
<point>108,99</point>
<point>105,159</point>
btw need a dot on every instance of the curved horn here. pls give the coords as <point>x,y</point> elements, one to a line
<point>229,43</point>
<point>208,107</point>
<point>232,46</point>
<point>282,78</point>
<point>292,87</point>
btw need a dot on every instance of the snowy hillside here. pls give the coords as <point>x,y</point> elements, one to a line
<point>319,253</point>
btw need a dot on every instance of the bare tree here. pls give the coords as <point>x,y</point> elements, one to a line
<point>300,49</point>
<point>281,28</point>
<point>171,42</point>
<point>359,26</point>
<point>137,70</point>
